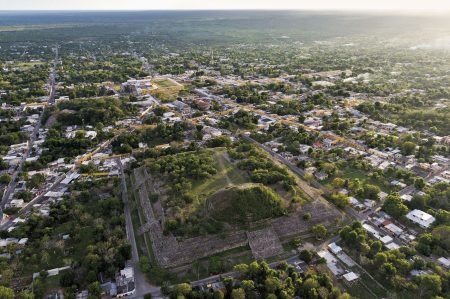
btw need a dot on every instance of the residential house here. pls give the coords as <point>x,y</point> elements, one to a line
<point>421,218</point>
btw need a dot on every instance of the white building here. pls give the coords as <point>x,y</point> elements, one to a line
<point>444,262</point>
<point>125,282</point>
<point>335,248</point>
<point>421,218</point>
<point>351,277</point>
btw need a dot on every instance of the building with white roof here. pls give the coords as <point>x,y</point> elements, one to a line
<point>444,262</point>
<point>335,248</point>
<point>421,218</point>
<point>392,246</point>
<point>350,277</point>
<point>386,239</point>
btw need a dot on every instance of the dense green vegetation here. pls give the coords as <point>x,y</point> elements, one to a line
<point>83,112</point>
<point>96,238</point>
<point>406,113</point>
<point>240,120</point>
<point>258,280</point>
<point>260,168</point>
<point>115,68</point>
<point>392,267</point>
<point>22,82</point>
<point>316,69</point>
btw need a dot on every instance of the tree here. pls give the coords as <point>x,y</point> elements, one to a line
<point>338,183</point>
<point>380,258</point>
<point>95,288</point>
<point>429,284</point>
<point>3,164</point>
<point>26,294</point>
<point>248,285</point>
<point>218,294</point>
<point>308,290</point>
<point>272,284</point>
<point>67,278</point>
<point>308,177</point>
<point>183,289</point>
<point>6,293</point>
<point>241,268</point>
<point>408,148</point>
<point>371,191</point>
<point>43,274</point>
<point>5,179</point>
<point>305,255</point>
<point>393,205</point>
<point>238,294</point>
<point>220,141</point>
<point>424,244</point>
<point>418,263</point>
<point>36,181</point>
<point>307,216</point>
<point>341,200</point>
<point>148,296</point>
<point>388,269</point>
<point>319,231</point>
<point>419,183</point>
<point>375,247</point>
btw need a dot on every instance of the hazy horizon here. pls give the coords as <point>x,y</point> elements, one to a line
<point>143,5</point>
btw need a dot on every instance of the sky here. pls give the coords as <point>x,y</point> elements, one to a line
<point>404,5</point>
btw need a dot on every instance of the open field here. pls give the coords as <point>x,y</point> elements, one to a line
<point>27,65</point>
<point>167,89</point>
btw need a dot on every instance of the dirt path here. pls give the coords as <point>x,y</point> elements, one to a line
<point>223,169</point>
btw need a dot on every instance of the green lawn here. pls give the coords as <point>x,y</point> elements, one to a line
<point>27,65</point>
<point>165,83</point>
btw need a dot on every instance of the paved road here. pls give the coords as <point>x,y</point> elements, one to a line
<point>12,185</point>
<point>38,199</point>
<point>128,220</point>
<point>142,286</point>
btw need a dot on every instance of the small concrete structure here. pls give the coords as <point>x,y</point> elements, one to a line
<point>350,277</point>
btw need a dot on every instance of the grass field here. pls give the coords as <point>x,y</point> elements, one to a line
<point>27,65</point>
<point>167,89</point>
<point>227,174</point>
<point>166,83</point>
